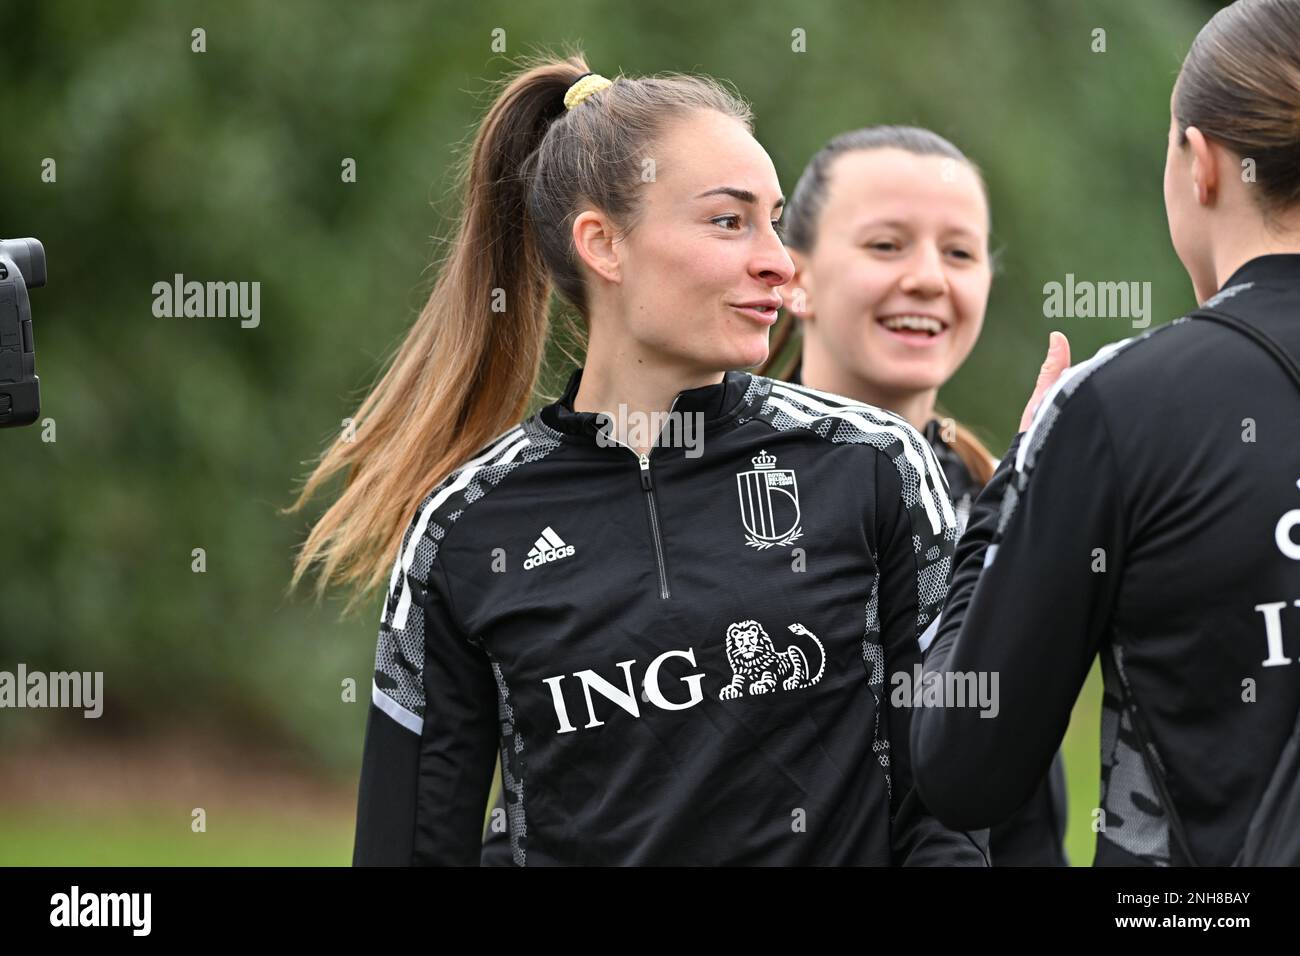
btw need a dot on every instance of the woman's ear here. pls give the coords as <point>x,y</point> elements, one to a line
<point>1205,166</point>
<point>798,292</point>
<point>593,238</point>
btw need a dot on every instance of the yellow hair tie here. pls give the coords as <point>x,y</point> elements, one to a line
<point>583,87</point>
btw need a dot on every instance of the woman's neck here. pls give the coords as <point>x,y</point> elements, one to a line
<point>1248,237</point>
<point>632,385</point>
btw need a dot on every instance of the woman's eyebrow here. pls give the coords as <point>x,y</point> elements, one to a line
<point>882,222</point>
<point>903,225</point>
<point>959,232</point>
<point>744,195</point>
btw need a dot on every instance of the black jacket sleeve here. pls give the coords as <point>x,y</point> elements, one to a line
<point>431,733</point>
<point>914,564</point>
<point>1032,592</point>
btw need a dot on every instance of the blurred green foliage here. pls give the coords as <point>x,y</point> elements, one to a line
<point>175,434</point>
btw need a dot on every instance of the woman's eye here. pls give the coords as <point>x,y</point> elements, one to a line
<point>721,220</point>
<point>883,246</point>
<point>961,253</point>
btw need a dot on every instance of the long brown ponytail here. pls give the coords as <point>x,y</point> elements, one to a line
<point>467,368</point>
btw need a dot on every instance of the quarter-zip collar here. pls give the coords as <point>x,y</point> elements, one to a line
<point>1266,268</point>
<point>720,404</point>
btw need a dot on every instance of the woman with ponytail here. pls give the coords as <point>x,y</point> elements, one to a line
<point>680,637</point>
<point>888,228</point>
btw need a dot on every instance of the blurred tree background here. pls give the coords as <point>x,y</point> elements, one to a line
<point>181,433</point>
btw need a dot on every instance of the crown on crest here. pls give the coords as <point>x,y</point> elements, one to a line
<point>763,460</point>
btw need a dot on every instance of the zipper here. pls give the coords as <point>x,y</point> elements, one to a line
<point>648,489</point>
<point>648,486</point>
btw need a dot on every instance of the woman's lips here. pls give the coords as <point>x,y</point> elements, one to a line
<point>758,315</point>
<point>914,331</point>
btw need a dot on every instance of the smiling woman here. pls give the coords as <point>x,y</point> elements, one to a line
<point>889,231</point>
<point>550,575</point>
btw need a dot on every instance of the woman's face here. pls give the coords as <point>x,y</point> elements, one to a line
<point>895,287</point>
<point>701,268</point>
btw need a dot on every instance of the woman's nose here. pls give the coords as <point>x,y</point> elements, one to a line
<point>925,275</point>
<point>773,264</point>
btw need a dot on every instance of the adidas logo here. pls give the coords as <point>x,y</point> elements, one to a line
<point>549,547</point>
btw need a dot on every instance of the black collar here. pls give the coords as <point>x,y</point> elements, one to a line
<point>1277,265</point>
<point>720,403</point>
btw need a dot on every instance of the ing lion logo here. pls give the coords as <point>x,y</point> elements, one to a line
<point>756,663</point>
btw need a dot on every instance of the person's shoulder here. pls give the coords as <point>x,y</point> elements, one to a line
<point>832,419</point>
<point>1122,359</point>
<point>839,420</point>
<point>452,500</point>
<point>1155,361</point>
<point>475,476</point>
<point>485,469</point>
<point>790,406</point>
<point>1147,373</point>
<point>1125,384</point>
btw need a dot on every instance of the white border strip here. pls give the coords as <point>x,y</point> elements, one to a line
<point>395,710</point>
<point>927,638</point>
<point>463,478</point>
<point>926,467</point>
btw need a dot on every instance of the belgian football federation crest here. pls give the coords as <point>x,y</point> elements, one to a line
<point>769,503</point>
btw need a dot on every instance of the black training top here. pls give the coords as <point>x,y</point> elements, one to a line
<point>1148,514</point>
<point>1032,836</point>
<point>683,656</point>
